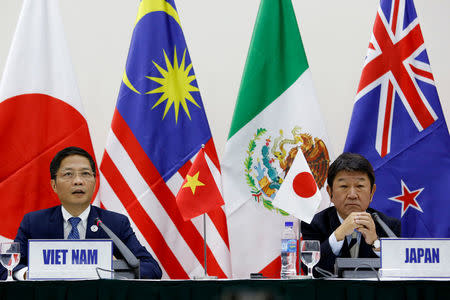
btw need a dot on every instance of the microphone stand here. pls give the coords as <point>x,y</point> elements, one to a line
<point>129,257</point>
<point>383,225</point>
<point>205,276</point>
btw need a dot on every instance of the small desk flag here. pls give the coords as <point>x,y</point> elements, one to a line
<point>199,193</point>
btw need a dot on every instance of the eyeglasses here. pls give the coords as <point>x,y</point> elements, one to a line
<point>70,175</point>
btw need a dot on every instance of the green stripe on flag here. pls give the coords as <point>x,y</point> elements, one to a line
<point>276,59</point>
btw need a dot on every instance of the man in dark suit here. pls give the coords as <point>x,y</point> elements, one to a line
<point>73,178</point>
<point>347,228</point>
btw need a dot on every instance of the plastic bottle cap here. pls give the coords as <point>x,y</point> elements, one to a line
<point>288,224</point>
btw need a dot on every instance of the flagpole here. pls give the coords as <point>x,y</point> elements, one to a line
<point>205,276</point>
<point>204,244</point>
<point>204,240</point>
<point>298,249</point>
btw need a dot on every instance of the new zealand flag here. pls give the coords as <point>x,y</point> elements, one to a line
<point>398,124</point>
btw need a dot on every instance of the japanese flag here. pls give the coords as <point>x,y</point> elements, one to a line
<point>299,194</point>
<point>40,113</point>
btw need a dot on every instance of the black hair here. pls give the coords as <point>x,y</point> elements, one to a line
<point>351,162</point>
<point>57,159</point>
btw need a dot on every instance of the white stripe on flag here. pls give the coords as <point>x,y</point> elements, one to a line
<point>112,203</point>
<point>125,165</point>
<point>215,173</point>
<point>174,183</point>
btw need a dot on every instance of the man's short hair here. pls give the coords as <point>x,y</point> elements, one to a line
<point>350,162</point>
<point>69,151</point>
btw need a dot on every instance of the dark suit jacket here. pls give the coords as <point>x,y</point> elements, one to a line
<point>325,223</point>
<point>48,224</point>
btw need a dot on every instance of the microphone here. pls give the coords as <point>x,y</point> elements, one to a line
<point>129,257</point>
<point>383,225</point>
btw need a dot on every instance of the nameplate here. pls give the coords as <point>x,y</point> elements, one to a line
<point>415,258</point>
<point>69,259</point>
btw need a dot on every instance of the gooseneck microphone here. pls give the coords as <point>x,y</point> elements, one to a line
<point>383,225</point>
<point>129,257</point>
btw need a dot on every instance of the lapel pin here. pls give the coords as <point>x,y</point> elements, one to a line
<point>94,228</point>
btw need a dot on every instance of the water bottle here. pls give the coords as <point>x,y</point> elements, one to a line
<point>288,251</point>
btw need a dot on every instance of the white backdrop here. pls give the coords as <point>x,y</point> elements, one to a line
<point>335,34</point>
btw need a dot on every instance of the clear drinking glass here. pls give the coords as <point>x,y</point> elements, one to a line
<point>9,256</point>
<point>310,253</point>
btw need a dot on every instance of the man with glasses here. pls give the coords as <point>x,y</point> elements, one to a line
<point>73,179</point>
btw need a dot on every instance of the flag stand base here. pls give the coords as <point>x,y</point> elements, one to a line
<point>299,277</point>
<point>205,277</point>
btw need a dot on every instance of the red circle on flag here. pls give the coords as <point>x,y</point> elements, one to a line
<point>34,127</point>
<point>304,185</point>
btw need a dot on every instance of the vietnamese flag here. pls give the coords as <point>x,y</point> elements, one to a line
<point>40,113</point>
<point>199,193</point>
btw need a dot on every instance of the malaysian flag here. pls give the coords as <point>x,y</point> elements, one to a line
<point>398,124</point>
<point>159,126</point>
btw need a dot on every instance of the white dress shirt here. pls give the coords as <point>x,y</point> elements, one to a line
<point>336,246</point>
<point>81,226</point>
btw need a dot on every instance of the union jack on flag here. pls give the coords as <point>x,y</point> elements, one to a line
<point>396,57</point>
<point>398,124</point>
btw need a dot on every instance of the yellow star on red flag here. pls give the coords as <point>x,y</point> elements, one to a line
<point>193,182</point>
<point>196,201</point>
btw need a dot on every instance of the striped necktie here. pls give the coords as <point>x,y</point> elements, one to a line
<point>74,234</point>
<point>354,246</point>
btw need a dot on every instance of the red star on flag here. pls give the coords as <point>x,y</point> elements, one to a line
<point>408,198</point>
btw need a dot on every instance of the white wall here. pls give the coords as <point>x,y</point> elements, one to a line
<point>218,32</point>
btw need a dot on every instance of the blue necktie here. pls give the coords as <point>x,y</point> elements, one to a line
<point>74,234</point>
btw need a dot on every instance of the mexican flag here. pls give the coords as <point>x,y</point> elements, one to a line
<point>276,115</point>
